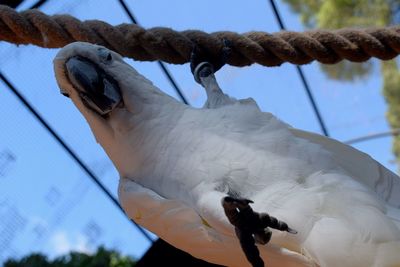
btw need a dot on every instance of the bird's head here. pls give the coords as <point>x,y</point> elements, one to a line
<point>112,96</point>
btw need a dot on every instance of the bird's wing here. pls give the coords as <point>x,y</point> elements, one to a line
<point>359,165</point>
<point>181,226</point>
<point>158,214</point>
<point>172,221</point>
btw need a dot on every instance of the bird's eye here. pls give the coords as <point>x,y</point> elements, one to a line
<point>105,55</point>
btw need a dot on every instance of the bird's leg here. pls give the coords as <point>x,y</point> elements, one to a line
<point>273,222</point>
<point>203,69</point>
<point>251,227</point>
<point>249,247</point>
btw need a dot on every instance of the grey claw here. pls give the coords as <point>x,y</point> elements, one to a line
<point>292,231</point>
<point>244,201</point>
<point>237,200</point>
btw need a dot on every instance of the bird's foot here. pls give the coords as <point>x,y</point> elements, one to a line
<point>204,65</point>
<point>251,227</point>
<point>241,215</point>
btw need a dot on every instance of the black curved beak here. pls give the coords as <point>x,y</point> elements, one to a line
<point>98,90</point>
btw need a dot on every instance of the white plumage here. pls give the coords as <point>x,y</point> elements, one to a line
<point>177,163</point>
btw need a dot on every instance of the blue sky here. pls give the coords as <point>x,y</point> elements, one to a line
<point>48,204</point>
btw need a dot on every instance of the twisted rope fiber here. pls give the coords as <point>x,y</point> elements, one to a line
<point>129,40</point>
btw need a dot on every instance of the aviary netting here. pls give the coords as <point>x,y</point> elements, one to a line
<point>131,40</point>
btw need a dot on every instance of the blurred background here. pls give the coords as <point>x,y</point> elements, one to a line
<point>50,201</point>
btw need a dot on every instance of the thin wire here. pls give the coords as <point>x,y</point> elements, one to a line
<point>37,4</point>
<point>161,64</point>
<point>368,137</point>
<point>69,151</point>
<point>302,76</point>
<point>128,12</point>
<point>14,3</point>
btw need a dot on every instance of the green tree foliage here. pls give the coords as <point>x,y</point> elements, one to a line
<point>335,14</point>
<point>391,91</point>
<point>102,258</point>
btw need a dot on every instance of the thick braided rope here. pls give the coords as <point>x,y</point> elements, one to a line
<point>129,40</point>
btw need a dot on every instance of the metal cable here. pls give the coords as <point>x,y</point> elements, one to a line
<point>394,132</point>
<point>302,76</point>
<point>38,4</point>
<point>161,64</point>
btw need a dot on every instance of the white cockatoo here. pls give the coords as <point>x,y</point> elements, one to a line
<point>176,164</point>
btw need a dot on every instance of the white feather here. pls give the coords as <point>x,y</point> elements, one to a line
<point>177,162</point>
